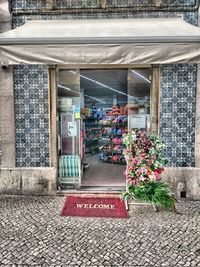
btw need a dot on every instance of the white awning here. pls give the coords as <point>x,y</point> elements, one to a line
<point>105,41</point>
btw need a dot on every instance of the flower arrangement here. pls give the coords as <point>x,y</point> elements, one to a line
<point>145,163</point>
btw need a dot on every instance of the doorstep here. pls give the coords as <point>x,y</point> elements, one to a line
<point>90,194</point>
<point>97,190</point>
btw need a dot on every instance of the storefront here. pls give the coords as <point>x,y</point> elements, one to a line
<point>101,83</point>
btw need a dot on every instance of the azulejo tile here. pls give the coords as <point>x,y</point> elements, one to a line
<point>61,4</point>
<point>179,111</point>
<point>31,114</point>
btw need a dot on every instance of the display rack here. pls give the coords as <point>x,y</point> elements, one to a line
<point>111,140</point>
<point>92,129</point>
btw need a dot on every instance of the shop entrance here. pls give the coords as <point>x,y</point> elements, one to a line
<point>96,107</point>
<point>105,122</point>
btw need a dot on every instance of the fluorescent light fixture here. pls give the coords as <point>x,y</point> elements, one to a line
<point>141,76</point>
<point>68,89</point>
<point>108,87</point>
<point>65,87</point>
<point>96,99</point>
<point>73,72</point>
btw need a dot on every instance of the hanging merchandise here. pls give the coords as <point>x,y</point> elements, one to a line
<point>94,111</point>
<point>92,133</point>
<point>113,126</point>
<point>117,111</point>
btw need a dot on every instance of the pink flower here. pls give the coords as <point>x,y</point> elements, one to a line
<point>142,178</point>
<point>157,175</point>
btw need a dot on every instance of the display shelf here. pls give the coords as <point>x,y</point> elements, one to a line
<point>92,130</point>
<point>111,147</point>
<point>99,134</point>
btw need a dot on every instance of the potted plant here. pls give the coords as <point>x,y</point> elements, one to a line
<point>144,164</point>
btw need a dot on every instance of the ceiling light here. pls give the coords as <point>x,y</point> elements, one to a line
<point>68,89</point>
<point>108,87</point>
<point>73,72</point>
<point>96,99</point>
<point>64,87</point>
<point>141,76</point>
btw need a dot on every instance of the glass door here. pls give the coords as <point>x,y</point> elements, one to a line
<point>68,128</point>
<point>139,92</point>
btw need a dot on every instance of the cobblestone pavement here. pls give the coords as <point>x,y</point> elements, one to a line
<point>33,233</point>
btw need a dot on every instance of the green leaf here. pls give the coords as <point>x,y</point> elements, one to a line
<point>153,192</point>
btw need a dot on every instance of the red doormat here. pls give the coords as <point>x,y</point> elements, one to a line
<point>94,207</point>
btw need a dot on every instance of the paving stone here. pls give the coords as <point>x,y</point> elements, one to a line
<point>32,233</point>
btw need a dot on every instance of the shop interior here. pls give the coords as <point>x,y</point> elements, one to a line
<point>96,107</point>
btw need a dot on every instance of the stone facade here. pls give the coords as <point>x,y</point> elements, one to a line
<point>177,85</point>
<point>177,81</point>
<point>7,131</point>
<point>37,181</point>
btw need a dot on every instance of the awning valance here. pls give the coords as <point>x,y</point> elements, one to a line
<point>105,41</point>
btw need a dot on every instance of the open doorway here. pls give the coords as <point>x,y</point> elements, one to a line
<point>96,107</point>
<point>105,122</point>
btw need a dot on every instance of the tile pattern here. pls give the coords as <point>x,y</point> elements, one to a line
<point>78,4</point>
<point>61,4</point>
<point>191,17</point>
<point>31,114</point>
<point>177,112</point>
<point>58,4</point>
<point>28,4</point>
<point>178,2</point>
<point>173,79</point>
<point>150,3</point>
<point>130,3</point>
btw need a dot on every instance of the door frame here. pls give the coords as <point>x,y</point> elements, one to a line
<point>52,99</point>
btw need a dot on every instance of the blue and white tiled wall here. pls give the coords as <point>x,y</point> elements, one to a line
<point>177,103</point>
<point>31,114</point>
<point>61,4</point>
<point>177,112</point>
